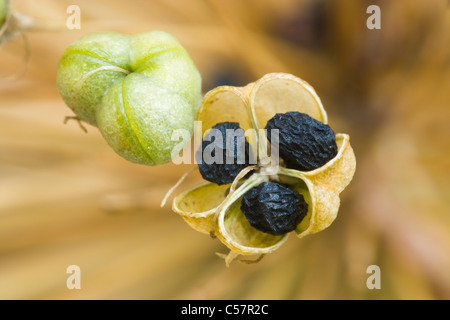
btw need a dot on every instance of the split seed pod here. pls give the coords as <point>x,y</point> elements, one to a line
<point>214,209</point>
<point>136,89</point>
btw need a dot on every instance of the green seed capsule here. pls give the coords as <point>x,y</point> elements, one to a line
<point>136,89</point>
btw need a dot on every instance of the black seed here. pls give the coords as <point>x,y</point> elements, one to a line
<point>220,171</point>
<point>304,143</point>
<point>273,208</point>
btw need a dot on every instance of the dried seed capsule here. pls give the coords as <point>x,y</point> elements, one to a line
<point>273,208</point>
<point>224,153</point>
<point>304,143</point>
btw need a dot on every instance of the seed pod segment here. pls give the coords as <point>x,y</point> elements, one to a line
<point>273,208</point>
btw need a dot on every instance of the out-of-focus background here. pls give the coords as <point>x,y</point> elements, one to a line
<point>67,199</point>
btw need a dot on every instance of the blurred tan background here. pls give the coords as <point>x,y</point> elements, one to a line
<point>66,198</point>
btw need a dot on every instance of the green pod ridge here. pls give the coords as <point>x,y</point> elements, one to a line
<point>82,93</point>
<point>136,89</point>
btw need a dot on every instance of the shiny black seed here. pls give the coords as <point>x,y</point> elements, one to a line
<point>305,143</point>
<point>273,208</point>
<point>215,162</point>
